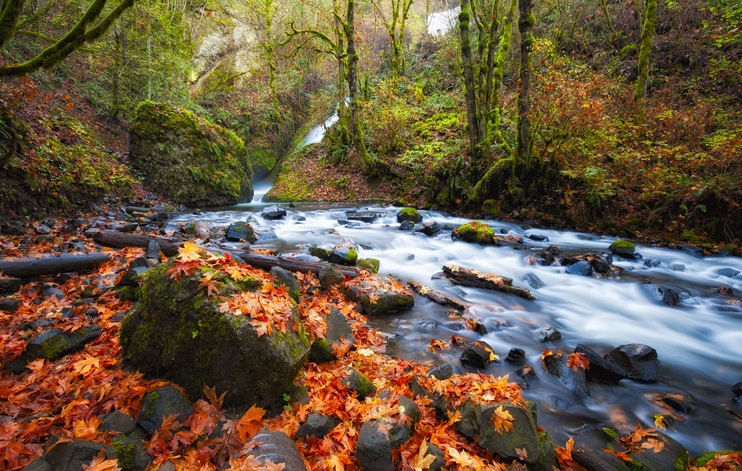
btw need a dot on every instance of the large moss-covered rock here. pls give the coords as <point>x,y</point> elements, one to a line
<point>475,231</point>
<point>188,159</point>
<point>177,332</point>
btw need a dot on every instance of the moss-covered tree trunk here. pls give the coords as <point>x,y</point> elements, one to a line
<point>525,25</point>
<point>645,48</point>
<point>355,122</point>
<point>467,70</point>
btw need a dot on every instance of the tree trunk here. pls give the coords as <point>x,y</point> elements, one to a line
<point>468,74</point>
<point>645,49</point>
<point>120,240</point>
<point>525,25</point>
<point>65,263</point>
<point>266,262</point>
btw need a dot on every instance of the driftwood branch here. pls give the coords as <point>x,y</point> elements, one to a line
<point>477,279</point>
<point>120,240</point>
<point>437,296</point>
<point>33,267</point>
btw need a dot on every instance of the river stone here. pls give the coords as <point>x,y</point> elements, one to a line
<point>153,250</point>
<point>53,344</point>
<point>330,276</point>
<point>534,281</point>
<point>189,160</point>
<point>516,356</point>
<point>407,226</point>
<point>317,425</point>
<point>672,456</point>
<point>475,423</point>
<point>10,285</point>
<point>600,264</point>
<point>478,355</point>
<point>370,264</point>
<point>380,295</point>
<point>160,403</point>
<point>240,231</point>
<point>600,368</point>
<point>590,442</point>
<point>527,373</point>
<point>574,380</point>
<point>550,334</point>
<point>363,216</point>
<point>538,238</point>
<point>639,361</point>
<point>440,370</point>
<point>475,231</point>
<point>319,252</point>
<point>737,389</point>
<point>274,212</point>
<point>338,331</point>
<point>177,332</point>
<point>118,422</point>
<point>374,448</point>
<point>13,228</point>
<point>202,230</point>
<point>289,280</point>
<point>549,255</point>
<point>358,383</point>
<point>623,248</point>
<point>70,454</point>
<point>133,277</point>
<point>9,304</point>
<point>344,253</point>
<point>409,214</point>
<point>727,272</point>
<point>660,294</point>
<point>276,448</point>
<point>429,228</point>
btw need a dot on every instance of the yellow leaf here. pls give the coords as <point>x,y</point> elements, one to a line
<point>423,460</point>
<point>502,420</point>
<point>189,252</point>
<point>85,366</point>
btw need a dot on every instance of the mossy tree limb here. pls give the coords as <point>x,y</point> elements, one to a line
<point>525,25</point>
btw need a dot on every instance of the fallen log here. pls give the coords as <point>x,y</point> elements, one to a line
<point>64,263</point>
<point>266,262</point>
<point>477,279</point>
<point>119,240</point>
<point>436,296</point>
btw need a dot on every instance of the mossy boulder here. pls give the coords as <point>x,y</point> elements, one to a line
<point>409,214</point>
<point>179,333</point>
<point>188,159</point>
<point>623,248</point>
<point>379,295</point>
<point>475,231</point>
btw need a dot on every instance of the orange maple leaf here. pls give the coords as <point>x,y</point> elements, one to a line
<point>423,460</point>
<point>86,429</point>
<point>436,345</point>
<point>463,459</point>
<point>100,463</point>
<point>577,360</point>
<point>653,444</point>
<point>85,366</point>
<point>502,420</point>
<point>190,252</point>
<point>250,423</point>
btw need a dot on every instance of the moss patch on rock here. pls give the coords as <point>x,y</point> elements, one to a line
<point>475,231</point>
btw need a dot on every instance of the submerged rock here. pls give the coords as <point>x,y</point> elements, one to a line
<point>274,212</point>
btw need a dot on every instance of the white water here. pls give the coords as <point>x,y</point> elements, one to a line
<point>442,22</point>
<point>317,133</point>
<point>699,343</point>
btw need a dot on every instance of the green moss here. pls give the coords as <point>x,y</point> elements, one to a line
<point>365,386</point>
<point>476,231</point>
<point>409,214</point>
<point>636,466</point>
<point>319,252</point>
<point>352,256</point>
<point>148,407</point>
<point>370,264</point>
<point>125,453</point>
<point>622,247</point>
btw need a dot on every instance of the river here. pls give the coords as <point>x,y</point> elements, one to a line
<point>699,341</point>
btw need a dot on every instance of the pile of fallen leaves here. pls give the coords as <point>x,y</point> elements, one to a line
<point>68,398</point>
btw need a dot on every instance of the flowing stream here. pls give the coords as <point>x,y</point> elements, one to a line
<point>699,342</point>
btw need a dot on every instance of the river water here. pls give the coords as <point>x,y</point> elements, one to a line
<point>699,342</point>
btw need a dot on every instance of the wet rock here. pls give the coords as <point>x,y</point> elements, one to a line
<point>133,277</point>
<point>344,253</point>
<point>160,403</point>
<point>274,212</point>
<point>131,451</point>
<point>277,448</point>
<point>737,389</point>
<point>289,280</point>
<point>439,463</point>
<point>265,234</point>
<point>600,264</point>
<point>375,444</point>
<point>476,424</point>
<point>550,255</point>
<point>319,252</point>
<point>534,281</point>
<point>474,231</point>
<point>239,232</point>
<point>639,361</point>
<point>370,264</point>
<point>676,404</point>
<point>153,250</point>
<point>358,383</point>
<point>441,370</point>
<point>338,332</point>
<point>727,272</point>
<point>409,408</point>
<point>516,356</point>
<point>692,250</point>
<point>409,214</point>
<point>550,334</point>
<point>363,216</point>
<point>317,426</point>
<point>330,276</point>
<point>13,228</point>
<point>538,238</point>
<point>118,422</point>
<point>407,226</point>
<point>573,379</point>
<point>623,248</point>
<point>70,454</point>
<point>590,441</point>
<point>429,228</point>
<point>600,368</point>
<point>53,344</point>
<point>660,294</point>
<point>9,304</point>
<point>527,373</point>
<point>478,355</point>
<point>671,456</point>
<point>582,268</point>
<point>10,285</point>
<point>53,292</point>
<point>380,296</point>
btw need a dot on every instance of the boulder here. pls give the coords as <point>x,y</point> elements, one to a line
<point>70,454</point>
<point>358,383</point>
<point>330,276</point>
<point>317,425</point>
<point>662,295</point>
<point>639,361</point>
<point>600,368</point>
<point>10,285</point>
<point>669,454</point>
<point>363,216</point>
<point>590,441</point>
<point>407,226</point>
<point>379,295</point>
<point>276,448</point>
<point>478,355</point>
<point>161,403</point>
<point>623,248</point>
<point>274,212</point>
<point>516,356</point>
<point>338,331</point>
<point>188,159</point>
<point>202,230</point>
<point>409,214</point>
<point>370,264</point>
<point>9,304</point>
<point>583,268</point>
<point>344,253</point>
<point>475,231</point>
<point>177,332</point>
<point>240,231</point>
<point>289,280</point>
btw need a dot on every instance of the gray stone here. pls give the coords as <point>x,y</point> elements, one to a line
<point>289,280</point>
<point>582,268</point>
<point>727,272</point>
<point>600,264</point>
<point>338,331</point>
<point>277,448</point>
<point>358,383</point>
<point>409,408</point>
<point>132,452</point>
<point>53,344</point>
<point>118,422</point>
<point>672,455</point>
<point>363,216</point>
<point>440,370</point>
<point>623,248</point>
<point>153,250</point>
<point>639,361</point>
<point>133,277</point>
<point>429,228</point>
<point>661,295</point>
<point>274,212</point>
<point>161,403</point>
<point>573,379</point>
<point>590,442</point>
<point>72,454</point>
<point>344,253</point>
<point>407,226</point>
<point>317,426</point>
<point>330,276</point>
<point>9,304</point>
<point>240,231</point>
<point>550,334</point>
<point>600,368</point>
<point>10,285</point>
<point>376,442</point>
<point>516,356</point>
<point>382,296</point>
<point>478,355</point>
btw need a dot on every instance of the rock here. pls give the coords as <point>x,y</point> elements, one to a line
<point>131,451</point>
<point>440,370</point>
<point>177,332</point>
<point>660,294</point>
<point>319,252</point>
<point>671,456</point>
<point>573,379</point>
<point>344,253</point>
<point>516,356</point>
<point>153,250</point>
<point>476,424</point>
<point>600,264</point>
<point>409,408</point>
<point>407,226</point>
<point>330,276</point>
<point>429,228</point>
<point>71,454</point>
<point>118,422</point>
<point>338,331</point>
<point>240,232</point>
<point>188,159</point>
<point>9,304</point>
<point>678,405</point>
<point>276,448</point>
<point>409,214</point>
<point>478,355</point>
<point>363,216</point>
<point>527,373</point>
<point>358,383</point>
<point>439,464</point>
<point>10,285</point>
<point>274,212</point>
<point>133,277</point>
<point>623,248</point>
<point>538,238</point>
<point>160,403</point>
<point>550,334</point>
<point>202,230</point>
<point>549,256</point>
<point>582,268</point>
<point>600,368</point>
<point>13,228</point>
<point>737,389</point>
<point>380,295</point>
<point>374,448</point>
<point>53,344</point>
<point>590,442</point>
<point>53,292</point>
<point>639,361</point>
<point>475,231</point>
<point>727,272</point>
<point>289,280</point>
<point>370,264</point>
<point>317,425</point>
<point>534,281</point>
